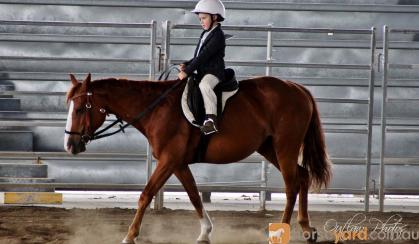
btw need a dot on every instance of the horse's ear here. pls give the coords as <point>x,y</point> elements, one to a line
<point>86,82</point>
<point>88,79</point>
<point>73,79</point>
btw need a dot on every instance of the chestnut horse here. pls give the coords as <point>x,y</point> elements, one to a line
<point>278,119</point>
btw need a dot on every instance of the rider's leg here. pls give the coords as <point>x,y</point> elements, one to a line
<point>206,86</point>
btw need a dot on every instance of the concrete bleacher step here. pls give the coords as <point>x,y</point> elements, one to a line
<point>23,170</point>
<point>16,140</point>
<point>14,173</point>
<point>32,198</point>
<point>9,104</point>
<point>33,115</point>
<point>6,87</point>
<point>34,189</point>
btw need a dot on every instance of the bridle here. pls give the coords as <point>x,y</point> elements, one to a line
<point>88,136</point>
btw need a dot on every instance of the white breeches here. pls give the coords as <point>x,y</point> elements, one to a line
<point>206,86</point>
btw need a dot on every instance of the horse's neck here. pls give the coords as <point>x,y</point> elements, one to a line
<point>127,99</point>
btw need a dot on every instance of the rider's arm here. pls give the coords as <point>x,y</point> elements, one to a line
<point>214,45</point>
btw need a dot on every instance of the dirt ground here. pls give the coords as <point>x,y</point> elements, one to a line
<point>43,225</point>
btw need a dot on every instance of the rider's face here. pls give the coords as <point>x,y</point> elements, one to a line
<point>205,20</point>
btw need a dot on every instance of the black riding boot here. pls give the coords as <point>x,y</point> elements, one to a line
<point>210,124</point>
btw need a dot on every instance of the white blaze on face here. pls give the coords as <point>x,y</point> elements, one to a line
<point>68,125</point>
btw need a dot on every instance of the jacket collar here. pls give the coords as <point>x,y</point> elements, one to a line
<point>210,35</point>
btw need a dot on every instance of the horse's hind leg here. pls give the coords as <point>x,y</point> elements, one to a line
<point>186,178</point>
<point>267,150</point>
<point>303,217</point>
<point>288,165</point>
<point>286,162</point>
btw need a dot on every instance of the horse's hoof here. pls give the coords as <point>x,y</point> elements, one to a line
<point>127,242</point>
<point>203,242</point>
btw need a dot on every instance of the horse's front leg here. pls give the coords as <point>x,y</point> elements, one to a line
<point>160,175</point>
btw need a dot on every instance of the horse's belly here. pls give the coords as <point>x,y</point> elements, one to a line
<point>223,149</point>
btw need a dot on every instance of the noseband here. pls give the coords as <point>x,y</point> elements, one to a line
<point>88,136</point>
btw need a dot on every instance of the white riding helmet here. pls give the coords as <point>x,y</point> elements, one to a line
<point>210,7</point>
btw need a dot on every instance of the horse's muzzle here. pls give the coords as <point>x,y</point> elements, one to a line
<point>75,146</point>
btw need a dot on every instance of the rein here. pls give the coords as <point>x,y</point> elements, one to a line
<point>99,134</point>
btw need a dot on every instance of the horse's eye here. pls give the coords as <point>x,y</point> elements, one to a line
<point>79,110</point>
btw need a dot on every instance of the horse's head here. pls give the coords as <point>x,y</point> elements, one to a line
<point>86,114</point>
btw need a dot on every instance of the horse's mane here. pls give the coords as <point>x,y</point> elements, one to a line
<point>144,85</point>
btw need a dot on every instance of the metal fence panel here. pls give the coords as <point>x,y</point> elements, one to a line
<point>27,79</point>
<point>389,176</point>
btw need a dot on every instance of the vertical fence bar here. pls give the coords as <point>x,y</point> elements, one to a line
<point>383,117</point>
<point>152,75</point>
<point>269,52</point>
<point>149,164</point>
<point>263,178</point>
<point>370,117</point>
<point>159,198</point>
<point>149,167</point>
<point>166,46</point>
<point>153,33</point>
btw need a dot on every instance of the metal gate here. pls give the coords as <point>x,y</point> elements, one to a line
<point>407,124</point>
<point>365,128</point>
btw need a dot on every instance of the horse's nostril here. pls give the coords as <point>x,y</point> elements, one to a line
<point>71,147</point>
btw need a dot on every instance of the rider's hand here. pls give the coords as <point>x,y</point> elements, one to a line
<point>182,67</point>
<point>182,75</point>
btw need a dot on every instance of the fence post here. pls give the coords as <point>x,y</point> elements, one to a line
<point>152,74</point>
<point>153,33</point>
<point>269,52</point>
<point>149,164</point>
<point>383,117</point>
<point>263,178</point>
<point>159,198</point>
<point>206,196</point>
<point>370,118</point>
<point>166,44</point>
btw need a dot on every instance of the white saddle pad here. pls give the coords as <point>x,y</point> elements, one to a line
<point>187,112</point>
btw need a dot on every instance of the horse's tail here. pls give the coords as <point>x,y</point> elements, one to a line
<point>315,158</point>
